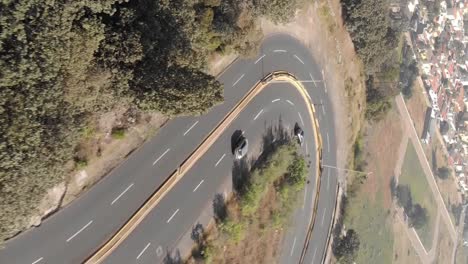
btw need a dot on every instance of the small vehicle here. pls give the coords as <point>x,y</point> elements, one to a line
<point>299,133</point>
<point>241,147</point>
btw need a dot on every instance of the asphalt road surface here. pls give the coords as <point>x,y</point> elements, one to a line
<point>76,231</point>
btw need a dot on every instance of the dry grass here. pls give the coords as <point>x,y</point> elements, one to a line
<point>261,242</point>
<point>369,211</point>
<point>417,107</point>
<point>403,251</point>
<point>444,245</point>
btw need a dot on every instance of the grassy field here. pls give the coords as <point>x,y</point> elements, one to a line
<point>373,224</point>
<point>413,175</point>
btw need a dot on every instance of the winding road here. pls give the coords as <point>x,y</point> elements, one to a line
<point>75,232</point>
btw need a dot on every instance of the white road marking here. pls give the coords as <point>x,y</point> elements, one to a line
<point>302,121</point>
<point>143,251</point>
<point>307,150</point>
<point>279,51</point>
<point>323,109</point>
<point>323,215</point>
<point>305,196</point>
<point>324,83</point>
<point>313,258</point>
<point>292,248</point>
<point>276,100</point>
<point>328,143</point>
<point>160,157</point>
<point>259,59</point>
<point>159,251</point>
<point>37,260</point>
<point>79,231</point>
<point>328,182</point>
<point>122,193</point>
<point>289,102</point>
<point>299,59</point>
<point>194,190</point>
<point>220,159</point>
<point>190,128</point>
<point>242,76</point>
<point>259,113</point>
<point>172,216</point>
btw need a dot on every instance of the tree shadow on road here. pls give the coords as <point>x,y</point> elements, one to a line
<point>219,207</point>
<point>173,257</point>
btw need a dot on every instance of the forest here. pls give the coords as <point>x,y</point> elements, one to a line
<point>61,62</point>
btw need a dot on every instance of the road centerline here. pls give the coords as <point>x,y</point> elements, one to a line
<point>79,231</point>
<point>172,216</point>
<point>143,251</point>
<point>122,193</point>
<point>162,155</point>
<point>195,189</point>
<point>240,78</point>
<point>259,113</point>
<point>259,59</point>
<point>220,159</point>
<point>190,128</point>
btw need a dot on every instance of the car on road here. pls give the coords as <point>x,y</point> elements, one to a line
<point>241,147</point>
<point>299,133</point>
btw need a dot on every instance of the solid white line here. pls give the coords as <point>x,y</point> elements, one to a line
<point>143,251</point>
<point>259,113</point>
<point>323,216</point>
<point>79,231</point>
<point>276,100</point>
<point>242,76</point>
<point>220,159</point>
<point>120,195</point>
<point>190,128</point>
<point>313,258</point>
<point>172,216</point>
<point>292,248</point>
<point>279,51</point>
<point>194,190</point>
<point>328,143</point>
<point>259,59</point>
<point>305,196</point>
<point>299,59</point>
<point>307,150</point>
<point>39,259</point>
<point>302,121</point>
<point>160,157</point>
<point>291,103</point>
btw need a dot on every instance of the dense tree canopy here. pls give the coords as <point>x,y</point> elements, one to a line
<point>63,61</point>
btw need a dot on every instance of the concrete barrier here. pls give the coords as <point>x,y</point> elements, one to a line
<point>174,178</point>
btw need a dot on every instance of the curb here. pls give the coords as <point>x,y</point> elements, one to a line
<point>118,238</point>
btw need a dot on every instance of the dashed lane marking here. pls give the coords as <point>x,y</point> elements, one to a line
<point>162,155</point>
<point>122,193</point>
<point>259,59</point>
<point>195,189</point>
<point>143,251</point>
<point>79,231</point>
<point>172,216</point>
<point>190,128</point>
<point>276,100</point>
<point>259,113</point>
<point>220,159</point>
<point>289,102</point>
<point>37,260</point>
<point>299,59</point>
<point>240,78</point>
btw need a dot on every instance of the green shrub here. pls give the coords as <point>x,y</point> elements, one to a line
<point>118,133</point>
